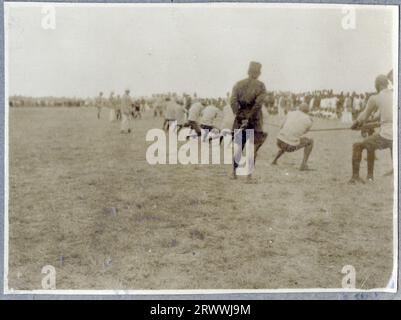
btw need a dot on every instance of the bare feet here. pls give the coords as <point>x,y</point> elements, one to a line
<point>355,180</point>
<point>304,167</point>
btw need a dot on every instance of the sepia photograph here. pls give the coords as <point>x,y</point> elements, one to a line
<point>200,148</point>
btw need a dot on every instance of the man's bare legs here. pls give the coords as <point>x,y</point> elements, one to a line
<point>279,154</point>
<point>371,144</point>
<point>307,151</point>
<point>371,163</point>
<point>305,143</point>
<point>357,150</point>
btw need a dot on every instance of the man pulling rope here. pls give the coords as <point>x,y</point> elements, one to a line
<point>291,136</point>
<point>382,101</point>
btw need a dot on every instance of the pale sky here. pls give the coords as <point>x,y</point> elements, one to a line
<point>203,49</point>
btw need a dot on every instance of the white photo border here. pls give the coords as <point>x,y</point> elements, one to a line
<point>5,293</point>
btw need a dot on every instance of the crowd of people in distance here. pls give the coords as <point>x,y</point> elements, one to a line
<point>322,103</point>
<point>24,101</point>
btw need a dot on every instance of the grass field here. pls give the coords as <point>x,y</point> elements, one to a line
<point>187,227</point>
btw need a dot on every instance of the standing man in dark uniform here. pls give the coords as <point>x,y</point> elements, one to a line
<point>246,102</point>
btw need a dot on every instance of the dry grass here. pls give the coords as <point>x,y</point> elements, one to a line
<point>82,191</point>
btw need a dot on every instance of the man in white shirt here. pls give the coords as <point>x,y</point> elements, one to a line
<point>194,115</point>
<point>113,107</point>
<point>209,116</point>
<point>99,102</point>
<point>180,115</point>
<point>291,136</point>
<point>126,109</point>
<point>160,106</point>
<point>382,102</point>
<point>208,119</point>
<point>227,121</point>
<point>169,115</point>
<point>118,107</point>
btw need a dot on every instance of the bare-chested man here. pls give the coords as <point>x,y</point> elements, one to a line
<point>382,102</point>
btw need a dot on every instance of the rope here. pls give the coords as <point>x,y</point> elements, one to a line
<point>331,129</point>
<point>315,130</point>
